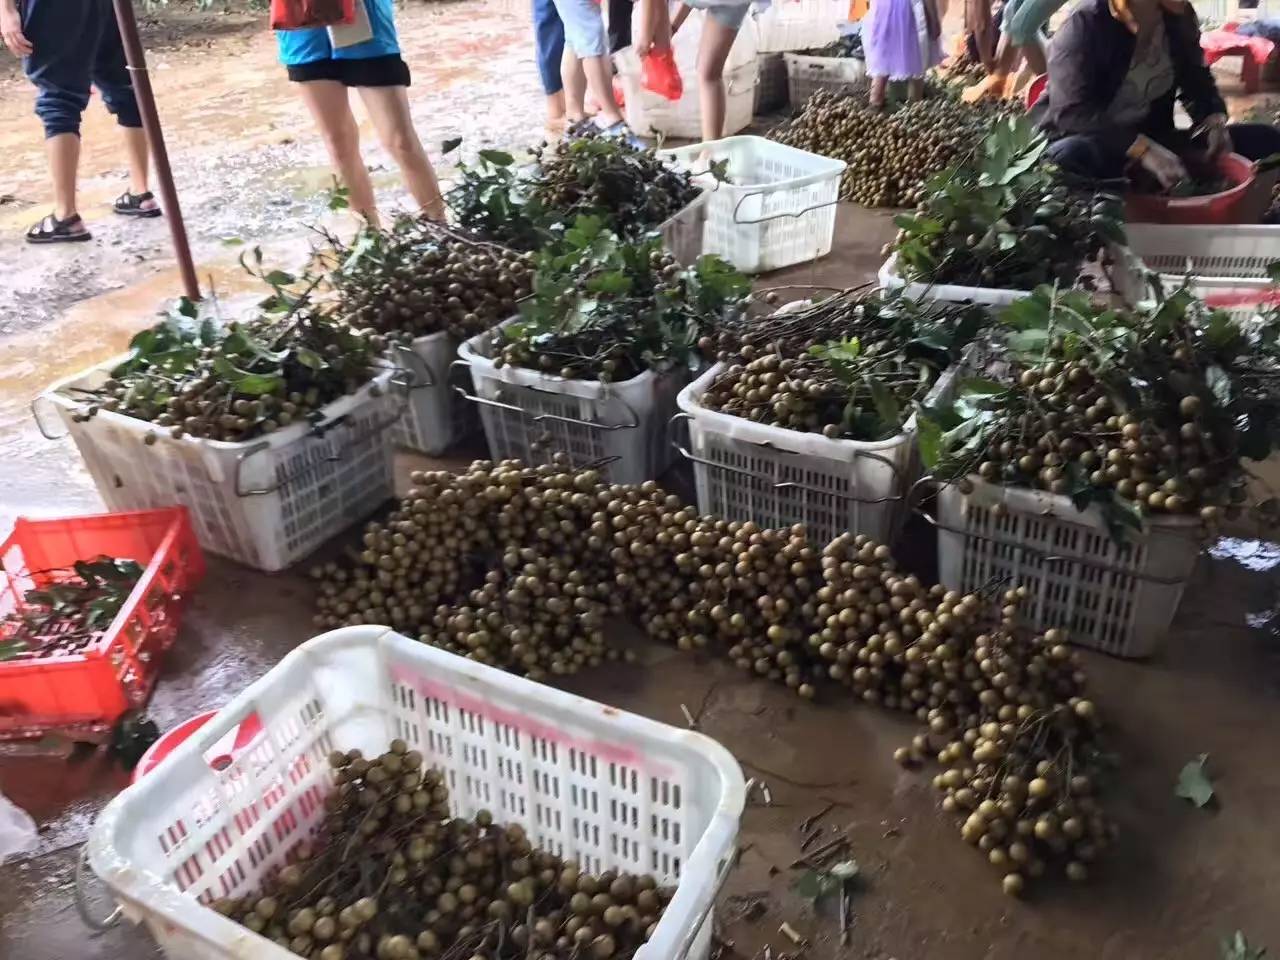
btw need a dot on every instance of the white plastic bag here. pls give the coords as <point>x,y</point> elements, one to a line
<point>17,829</point>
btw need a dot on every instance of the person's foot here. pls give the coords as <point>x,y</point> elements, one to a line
<point>68,229</point>
<point>993,87</point>
<point>143,206</point>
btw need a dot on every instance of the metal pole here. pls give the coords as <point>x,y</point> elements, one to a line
<point>137,60</point>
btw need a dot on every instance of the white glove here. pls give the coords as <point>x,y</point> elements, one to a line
<point>1217,137</point>
<point>1162,163</point>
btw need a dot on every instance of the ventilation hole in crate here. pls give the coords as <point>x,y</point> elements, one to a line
<point>274,794</point>
<point>285,824</point>
<point>558,822</point>
<point>675,832</point>
<point>675,867</point>
<point>675,795</point>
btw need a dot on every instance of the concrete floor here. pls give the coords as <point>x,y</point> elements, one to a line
<point>1179,881</point>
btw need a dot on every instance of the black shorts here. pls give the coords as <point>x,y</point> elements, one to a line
<point>388,71</point>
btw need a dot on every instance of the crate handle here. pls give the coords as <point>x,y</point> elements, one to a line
<point>539,418</point>
<point>778,216</point>
<point>318,432</point>
<point>35,415</point>
<point>1034,552</point>
<point>790,484</point>
<point>416,381</point>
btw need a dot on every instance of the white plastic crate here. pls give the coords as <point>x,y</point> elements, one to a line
<point>778,206</point>
<point>771,90</point>
<point>588,782</point>
<point>1119,599</point>
<point>531,416</point>
<point>799,24</point>
<point>1126,272</point>
<point>266,502</point>
<point>745,470</point>
<point>435,416</point>
<point>684,233</point>
<point>945,292</point>
<point>807,75</point>
<point>649,114</point>
<point>1214,256</point>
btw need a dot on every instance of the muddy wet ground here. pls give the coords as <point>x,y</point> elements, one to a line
<point>250,167</point>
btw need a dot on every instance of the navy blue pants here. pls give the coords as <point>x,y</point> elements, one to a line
<point>76,43</point>
<point>548,43</point>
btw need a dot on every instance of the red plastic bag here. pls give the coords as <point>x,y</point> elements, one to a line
<point>305,14</point>
<point>618,95</point>
<point>661,75</point>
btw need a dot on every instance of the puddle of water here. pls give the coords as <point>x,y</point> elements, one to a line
<point>1256,555</point>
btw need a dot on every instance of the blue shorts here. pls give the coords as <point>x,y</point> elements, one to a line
<point>728,15</point>
<point>583,27</point>
<point>299,47</point>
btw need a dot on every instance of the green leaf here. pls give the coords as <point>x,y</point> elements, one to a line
<point>886,404</point>
<point>1238,948</point>
<point>280,278</point>
<point>309,358</point>
<point>242,381</point>
<point>232,242</point>
<point>844,870</point>
<point>498,158</point>
<point>929,439</point>
<point>450,145</point>
<point>1193,782</point>
<point>1273,271</point>
<point>1028,342</point>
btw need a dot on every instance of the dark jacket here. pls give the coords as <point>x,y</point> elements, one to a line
<point>1088,60</point>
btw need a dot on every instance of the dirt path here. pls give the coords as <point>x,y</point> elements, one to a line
<point>250,168</point>
<point>246,158</point>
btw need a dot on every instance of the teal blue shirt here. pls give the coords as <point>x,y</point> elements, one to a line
<point>307,46</point>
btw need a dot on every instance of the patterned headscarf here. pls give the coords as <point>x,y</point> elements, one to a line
<point>1120,10</point>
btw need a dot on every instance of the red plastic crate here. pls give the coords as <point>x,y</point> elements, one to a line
<point>85,693</point>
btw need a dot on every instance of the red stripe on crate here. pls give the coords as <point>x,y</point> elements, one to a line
<point>598,748</point>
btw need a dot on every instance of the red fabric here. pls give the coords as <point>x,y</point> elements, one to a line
<point>1226,43</point>
<point>661,75</point>
<point>305,14</point>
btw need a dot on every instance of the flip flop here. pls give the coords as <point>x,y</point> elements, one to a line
<point>130,205</point>
<point>53,230</point>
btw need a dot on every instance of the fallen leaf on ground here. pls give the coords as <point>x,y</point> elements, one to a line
<point>1194,783</point>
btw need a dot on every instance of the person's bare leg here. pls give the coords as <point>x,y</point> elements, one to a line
<point>555,107</point>
<point>330,108</point>
<point>599,75</point>
<point>878,87</point>
<point>135,147</point>
<point>575,86</point>
<point>713,51</point>
<point>389,109</point>
<point>1037,59</point>
<point>63,151</point>
<point>655,27</point>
